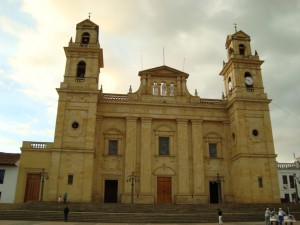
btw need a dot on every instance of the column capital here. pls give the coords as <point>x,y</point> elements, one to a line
<point>131,118</point>
<point>182,120</point>
<point>146,119</point>
<point>196,122</point>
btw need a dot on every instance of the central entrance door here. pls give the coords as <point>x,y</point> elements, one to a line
<point>164,190</point>
<point>32,191</point>
<point>215,192</point>
<point>111,191</point>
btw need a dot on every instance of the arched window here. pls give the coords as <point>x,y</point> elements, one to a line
<point>155,89</point>
<point>85,39</point>
<point>163,89</point>
<point>242,49</point>
<point>81,69</point>
<point>229,84</point>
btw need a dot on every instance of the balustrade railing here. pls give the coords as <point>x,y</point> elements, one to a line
<point>117,97</point>
<point>211,101</point>
<point>286,165</point>
<point>36,145</point>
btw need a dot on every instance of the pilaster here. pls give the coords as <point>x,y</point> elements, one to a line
<point>130,152</point>
<point>145,178</point>
<point>198,158</point>
<point>53,176</point>
<point>183,163</point>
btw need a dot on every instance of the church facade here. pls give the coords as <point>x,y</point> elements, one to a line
<point>160,144</point>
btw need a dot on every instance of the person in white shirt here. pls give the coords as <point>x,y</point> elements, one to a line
<point>281,213</point>
<point>267,216</point>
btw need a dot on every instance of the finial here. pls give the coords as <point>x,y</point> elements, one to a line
<point>71,40</point>
<point>101,90</point>
<point>256,53</point>
<point>223,63</point>
<point>130,89</point>
<point>196,92</point>
<point>90,15</point>
<point>235,27</point>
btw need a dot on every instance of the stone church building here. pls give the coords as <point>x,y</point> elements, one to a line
<point>159,144</point>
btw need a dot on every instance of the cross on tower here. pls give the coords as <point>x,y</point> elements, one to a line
<point>90,15</point>
<point>235,27</point>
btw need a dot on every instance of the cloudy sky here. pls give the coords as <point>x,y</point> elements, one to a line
<point>133,34</point>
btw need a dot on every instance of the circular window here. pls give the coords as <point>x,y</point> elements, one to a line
<point>75,125</point>
<point>255,132</point>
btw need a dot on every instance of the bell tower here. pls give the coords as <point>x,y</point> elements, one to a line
<point>74,141</point>
<point>78,93</point>
<point>253,158</point>
<point>242,72</point>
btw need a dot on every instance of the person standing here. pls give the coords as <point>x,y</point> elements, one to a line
<point>220,216</point>
<point>280,216</point>
<point>66,213</point>
<point>65,198</point>
<point>267,216</point>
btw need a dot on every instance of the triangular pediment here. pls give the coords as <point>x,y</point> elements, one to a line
<point>239,35</point>
<point>87,23</point>
<point>163,71</point>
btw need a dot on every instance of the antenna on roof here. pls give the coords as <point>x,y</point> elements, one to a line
<point>163,55</point>
<point>235,27</point>
<point>90,15</point>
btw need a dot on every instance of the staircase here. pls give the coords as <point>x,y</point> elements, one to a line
<point>118,213</point>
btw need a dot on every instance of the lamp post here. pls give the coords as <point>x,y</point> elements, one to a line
<point>296,179</point>
<point>133,179</point>
<point>44,176</point>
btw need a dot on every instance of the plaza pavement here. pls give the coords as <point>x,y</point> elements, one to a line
<point>14,222</point>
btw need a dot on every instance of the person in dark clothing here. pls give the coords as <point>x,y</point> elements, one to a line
<point>65,198</point>
<point>66,212</point>
<point>220,216</point>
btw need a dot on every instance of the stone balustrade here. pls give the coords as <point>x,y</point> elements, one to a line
<point>212,101</point>
<point>117,97</point>
<point>36,145</point>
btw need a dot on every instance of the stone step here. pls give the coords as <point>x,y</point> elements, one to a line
<point>116,213</point>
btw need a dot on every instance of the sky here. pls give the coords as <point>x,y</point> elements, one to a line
<point>135,35</point>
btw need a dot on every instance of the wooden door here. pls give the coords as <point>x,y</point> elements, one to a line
<point>164,190</point>
<point>32,191</point>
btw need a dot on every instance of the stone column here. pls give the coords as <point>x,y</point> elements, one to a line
<point>145,178</point>
<point>198,157</point>
<point>130,150</point>
<point>183,161</point>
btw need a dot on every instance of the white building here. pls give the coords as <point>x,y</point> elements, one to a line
<point>289,180</point>
<point>9,164</point>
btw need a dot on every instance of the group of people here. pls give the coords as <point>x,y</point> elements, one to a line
<point>65,198</point>
<point>268,214</point>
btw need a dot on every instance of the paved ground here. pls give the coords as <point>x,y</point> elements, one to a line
<point>12,222</point>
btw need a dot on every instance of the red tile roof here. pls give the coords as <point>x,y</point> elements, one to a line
<point>9,159</point>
